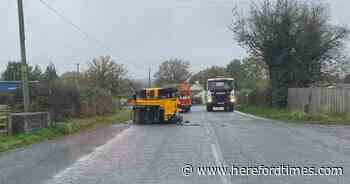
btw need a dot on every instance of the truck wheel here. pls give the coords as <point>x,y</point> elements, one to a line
<point>231,108</point>
<point>209,108</point>
<point>136,118</point>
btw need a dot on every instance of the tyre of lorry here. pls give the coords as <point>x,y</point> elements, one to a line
<point>209,108</point>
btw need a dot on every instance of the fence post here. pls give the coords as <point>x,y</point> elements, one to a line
<point>9,125</point>
<point>319,100</point>
<point>347,101</point>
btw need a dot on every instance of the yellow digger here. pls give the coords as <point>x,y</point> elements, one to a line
<point>155,105</point>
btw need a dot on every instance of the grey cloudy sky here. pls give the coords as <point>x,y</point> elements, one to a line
<point>139,34</point>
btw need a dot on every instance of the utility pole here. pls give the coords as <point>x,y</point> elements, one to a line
<point>77,75</point>
<point>24,66</point>
<point>149,78</point>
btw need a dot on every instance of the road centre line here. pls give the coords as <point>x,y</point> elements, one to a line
<point>216,150</point>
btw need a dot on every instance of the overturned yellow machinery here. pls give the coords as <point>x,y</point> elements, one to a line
<point>156,105</point>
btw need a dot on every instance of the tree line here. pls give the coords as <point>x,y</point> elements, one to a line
<point>296,39</point>
<point>292,43</point>
<point>13,72</point>
<point>248,73</point>
<point>103,72</point>
<point>91,92</point>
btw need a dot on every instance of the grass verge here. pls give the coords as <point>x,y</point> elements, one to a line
<point>295,116</point>
<point>62,128</point>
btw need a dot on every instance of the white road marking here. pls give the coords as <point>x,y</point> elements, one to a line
<point>251,116</point>
<point>207,130</point>
<point>90,155</point>
<point>216,150</point>
<point>218,158</point>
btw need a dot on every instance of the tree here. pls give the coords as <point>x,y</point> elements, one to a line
<point>250,73</point>
<point>235,69</point>
<point>347,79</point>
<point>128,87</point>
<point>294,38</point>
<point>204,75</point>
<point>36,74</point>
<point>50,73</point>
<point>71,79</point>
<point>12,72</point>
<point>106,73</point>
<point>173,71</point>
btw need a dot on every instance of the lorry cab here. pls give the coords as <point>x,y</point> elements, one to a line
<point>221,93</point>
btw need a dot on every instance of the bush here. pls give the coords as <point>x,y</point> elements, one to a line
<point>53,96</point>
<point>65,128</point>
<point>95,101</point>
<point>253,97</point>
<point>64,101</point>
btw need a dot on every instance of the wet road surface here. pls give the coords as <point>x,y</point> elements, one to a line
<point>158,153</point>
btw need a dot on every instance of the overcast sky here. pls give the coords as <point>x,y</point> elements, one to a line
<point>137,33</point>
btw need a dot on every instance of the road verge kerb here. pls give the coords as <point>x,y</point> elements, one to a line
<point>252,116</point>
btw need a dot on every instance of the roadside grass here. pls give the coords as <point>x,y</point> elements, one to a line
<point>295,116</point>
<point>60,129</point>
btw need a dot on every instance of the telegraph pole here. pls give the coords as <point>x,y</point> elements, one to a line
<point>24,66</point>
<point>149,78</point>
<point>77,75</point>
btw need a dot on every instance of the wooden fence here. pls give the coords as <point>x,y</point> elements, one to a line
<point>319,100</point>
<point>4,125</point>
<point>27,122</point>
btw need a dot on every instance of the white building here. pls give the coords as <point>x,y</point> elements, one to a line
<point>198,93</point>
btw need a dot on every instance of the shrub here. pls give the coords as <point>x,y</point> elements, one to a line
<point>95,101</point>
<point>65,128</point>
<point>253,97</point>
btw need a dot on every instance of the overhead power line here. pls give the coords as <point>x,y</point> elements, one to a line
<point>85,34</point>
<point>60,15</point>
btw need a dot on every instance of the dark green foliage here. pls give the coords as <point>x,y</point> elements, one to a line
<point>36,74</point>
<point>235,69</point>
<point>347,79</point>
<point>12,72</point>
<point>95,101</point>
<point>296,40</point>
<point>250,73</point>
<point>65,128</point>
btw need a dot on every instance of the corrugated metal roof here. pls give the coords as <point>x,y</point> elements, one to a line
<point>219,79</point>
<point>9,87</point>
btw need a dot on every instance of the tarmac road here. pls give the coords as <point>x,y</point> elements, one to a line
<point>158,153</point>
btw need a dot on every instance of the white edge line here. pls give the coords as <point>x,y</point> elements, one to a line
<point>251,116</point>
<point>86,157</point>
